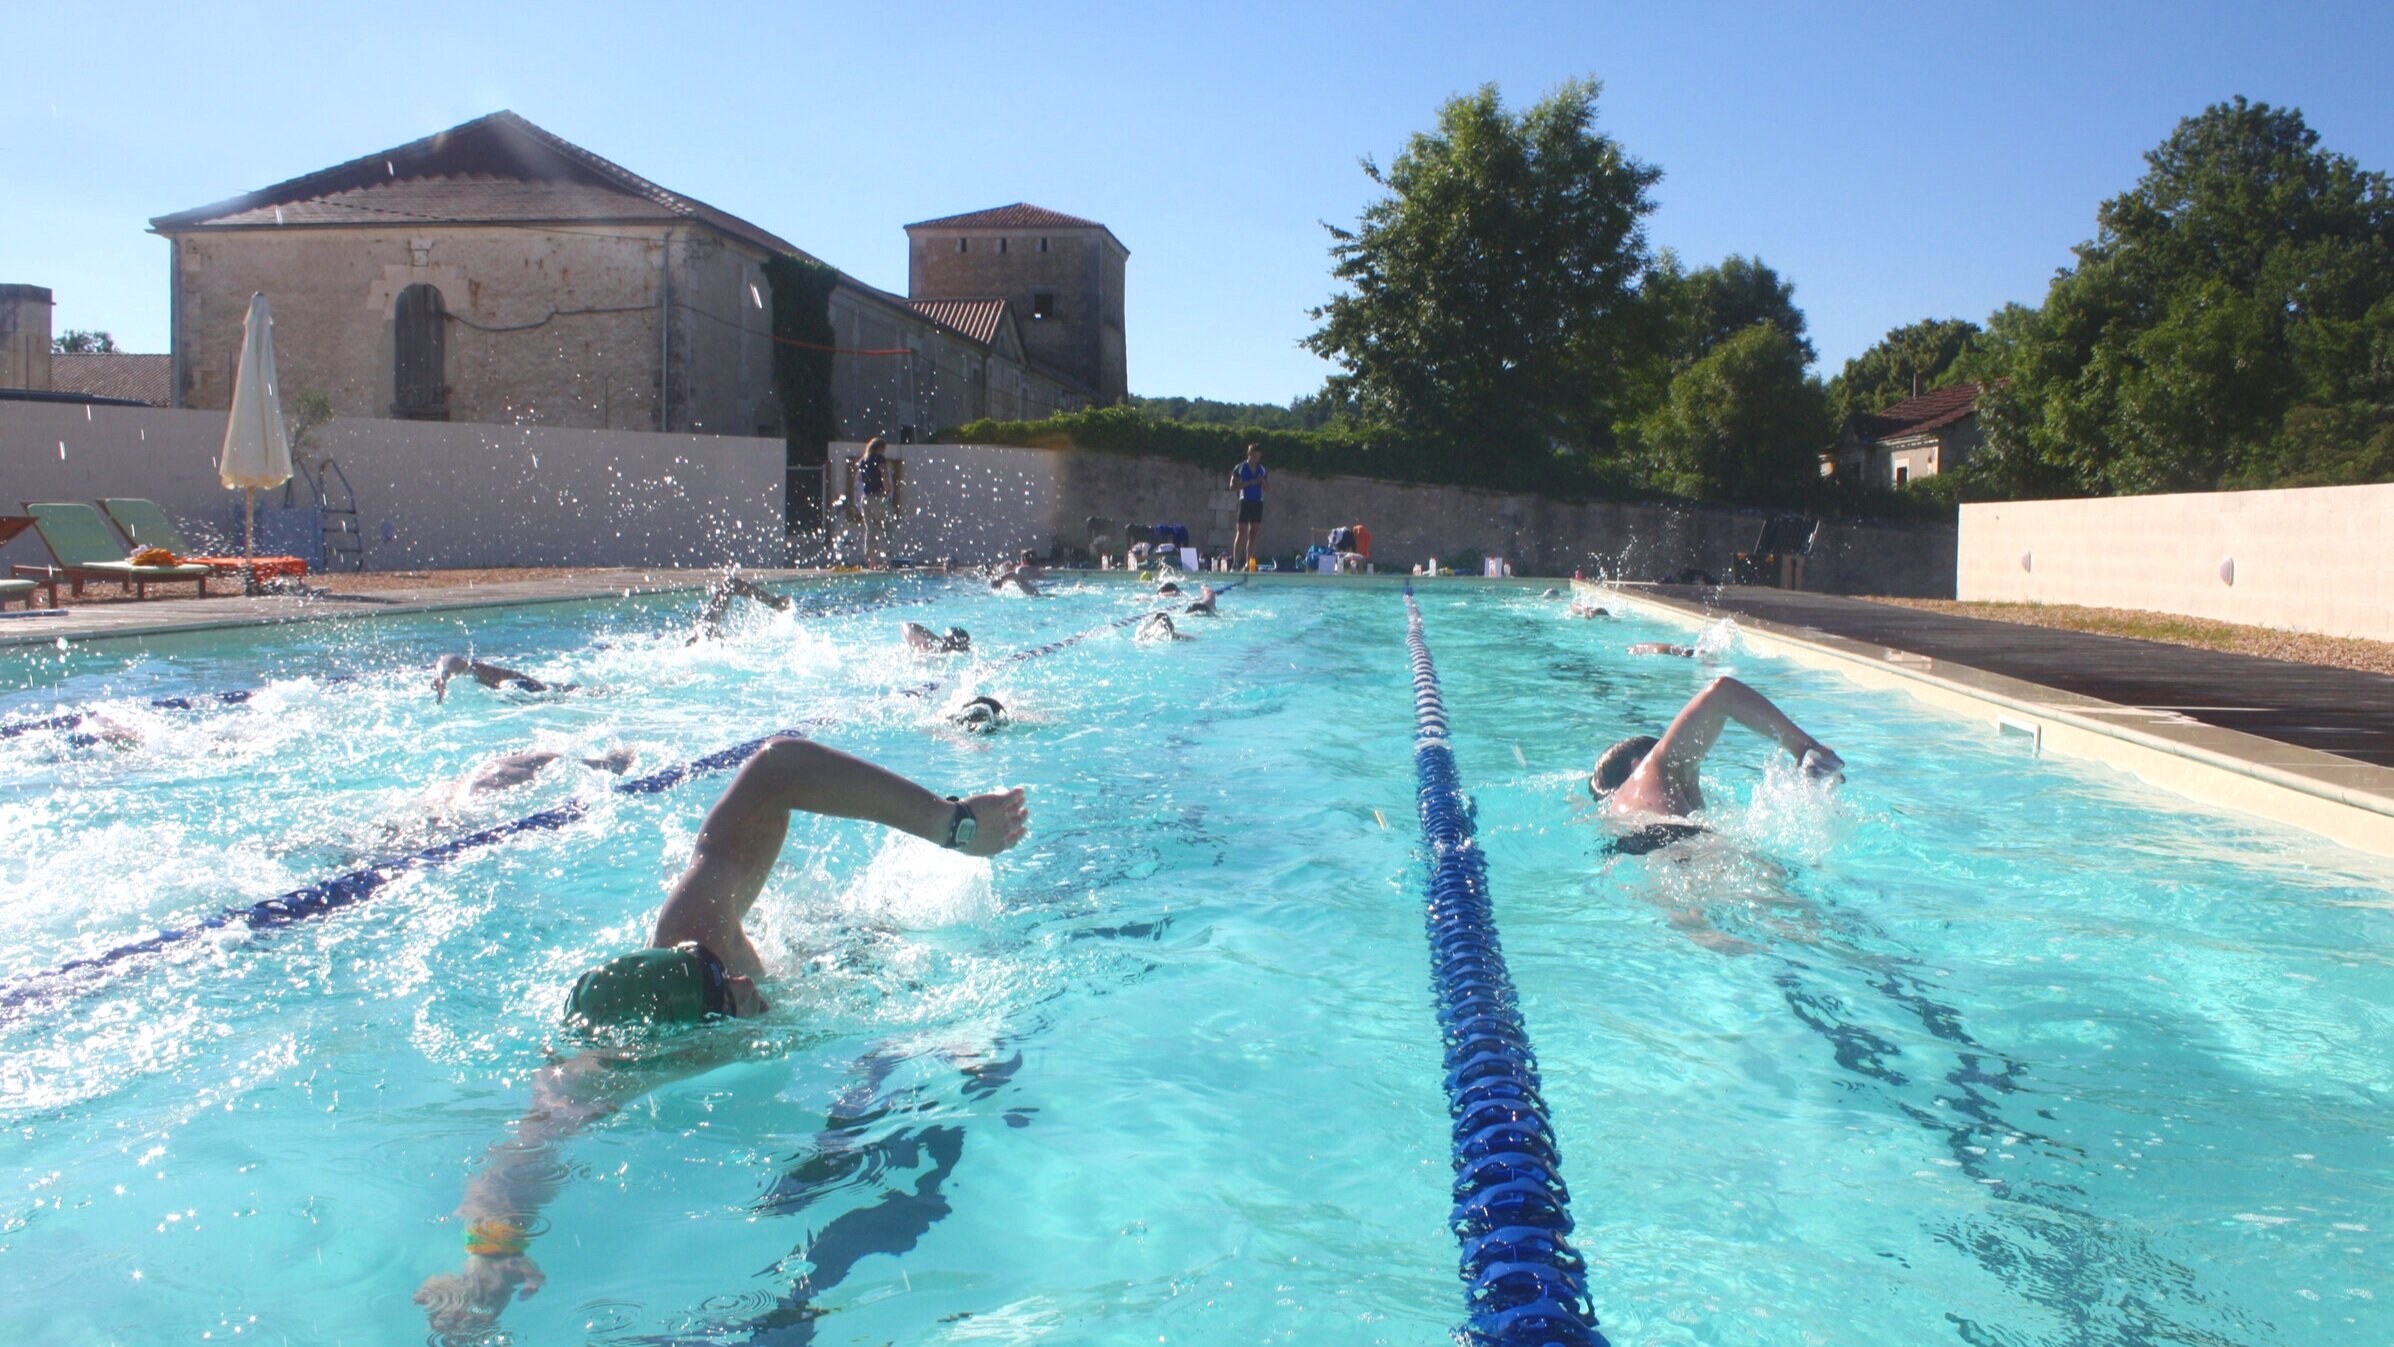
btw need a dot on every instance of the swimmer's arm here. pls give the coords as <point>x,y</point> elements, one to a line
<point>1699,725</point>
<point>522,1174</point>
<point>791,775</point>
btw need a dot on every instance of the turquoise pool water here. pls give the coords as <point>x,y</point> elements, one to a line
<point>1979,1048</point>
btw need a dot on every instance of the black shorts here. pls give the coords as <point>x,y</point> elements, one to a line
<point>1250,511</point>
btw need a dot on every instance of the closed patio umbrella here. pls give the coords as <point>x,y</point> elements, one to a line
<point>257,451</point>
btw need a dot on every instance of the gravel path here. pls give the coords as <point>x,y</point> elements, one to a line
<point>2335,652</point>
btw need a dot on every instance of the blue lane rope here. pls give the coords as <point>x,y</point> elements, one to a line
<point>1526,1286</point>
<point>355,886</point>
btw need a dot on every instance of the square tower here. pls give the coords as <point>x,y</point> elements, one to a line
<point>1061,275</point>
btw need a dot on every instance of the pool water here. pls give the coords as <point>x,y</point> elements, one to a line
<point>1980,1047</point>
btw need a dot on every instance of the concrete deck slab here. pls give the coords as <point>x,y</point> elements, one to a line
<point>182,615</point>
<point>2339,711</point>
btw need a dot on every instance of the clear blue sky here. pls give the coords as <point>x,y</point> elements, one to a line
<point>1896,162</point>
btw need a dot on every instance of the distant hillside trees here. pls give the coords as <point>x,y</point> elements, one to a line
<point>1306,413</point>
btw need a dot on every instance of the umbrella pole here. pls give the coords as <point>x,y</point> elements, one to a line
<point>249,540</point>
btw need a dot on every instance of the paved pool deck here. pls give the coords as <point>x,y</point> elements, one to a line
<point>176,615</point>
<point>2299,743</point>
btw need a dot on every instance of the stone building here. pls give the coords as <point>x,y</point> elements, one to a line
<point>497,273</point>
<point>1918,437</point>
<point>1061,274</point>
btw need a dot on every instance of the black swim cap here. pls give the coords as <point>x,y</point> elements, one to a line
<point>1617,763</point>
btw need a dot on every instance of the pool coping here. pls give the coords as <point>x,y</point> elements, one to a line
<point>2349,802</point>
<point>96,624</point>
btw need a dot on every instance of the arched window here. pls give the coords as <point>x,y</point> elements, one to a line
<point>419,389</point>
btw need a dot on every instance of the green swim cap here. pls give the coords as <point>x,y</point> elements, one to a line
<point>680,985</point>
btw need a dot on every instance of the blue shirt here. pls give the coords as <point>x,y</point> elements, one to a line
<point>1250,477</point>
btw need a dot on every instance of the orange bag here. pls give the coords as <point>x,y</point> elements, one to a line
<point>154,556</point>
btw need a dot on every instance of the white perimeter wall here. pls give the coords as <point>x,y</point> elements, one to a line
<point>2309,560</point>
<point>430,494</point>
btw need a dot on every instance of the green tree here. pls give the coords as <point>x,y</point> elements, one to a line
<point>1487,292</point>
<point>77,341</point>
<point>1915,357</point>
<point>2231,323</point>
<point>1745,423</point>
<point>1701,309</point>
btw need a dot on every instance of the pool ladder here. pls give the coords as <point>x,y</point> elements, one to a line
<point>344,540</point>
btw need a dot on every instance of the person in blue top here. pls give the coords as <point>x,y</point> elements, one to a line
<point>872,492</point>
<point>1248,480</point>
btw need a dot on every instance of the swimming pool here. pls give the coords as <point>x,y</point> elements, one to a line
<point>1980,1047</point>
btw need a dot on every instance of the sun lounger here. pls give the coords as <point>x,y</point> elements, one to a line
<point>86,550</point>
<point>26,589</point>
<point>148,526</point>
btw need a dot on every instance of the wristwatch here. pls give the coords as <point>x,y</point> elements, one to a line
<point>962,826</point>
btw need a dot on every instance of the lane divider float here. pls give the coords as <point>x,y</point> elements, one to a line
<point>1525,1285</point>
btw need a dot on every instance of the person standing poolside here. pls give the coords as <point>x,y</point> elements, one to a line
<point>698,966</point>
<point>1248,480</point>
<point>872,494</point>
<point>1653,782</point>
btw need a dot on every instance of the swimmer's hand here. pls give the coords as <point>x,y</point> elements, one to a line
<point>468,1303</point>
<point>999,818</point>
<point>1819,763</point>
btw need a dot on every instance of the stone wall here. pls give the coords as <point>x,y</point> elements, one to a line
<point>2303,560</point>
<point>429,494</point>
<point>981,501</point>
<point>24,336</point>
<point>561,328</point>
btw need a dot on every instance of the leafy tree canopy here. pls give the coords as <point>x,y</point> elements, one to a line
<point>1700,309</point>
<point>2231,324</point>
<point>1744,423</point>
<point>1915,357</point>
<point>1489,290</point>
<point>77,341</point>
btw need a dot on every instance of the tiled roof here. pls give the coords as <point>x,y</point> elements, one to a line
<point>979,319</point>
<point>498,168</point>
<point>1020,215</point>
<point>1933,410</point>
<point>136,378</point>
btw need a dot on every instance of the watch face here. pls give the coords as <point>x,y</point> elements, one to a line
<point>967,828</point>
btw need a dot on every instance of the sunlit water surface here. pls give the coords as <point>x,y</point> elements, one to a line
<point>1979,1048</point>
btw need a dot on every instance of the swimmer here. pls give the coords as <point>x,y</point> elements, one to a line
<point>514,769</point>
<point>719,601</point>
<point>1158,627</point>
<point>1551,593</point>
<point>698,967</point>
<point>98,727</point>
<point>1578,609</point>
<point>1204,604</point>
<point>1168,587</point>
<point>1029,567</point>
<point>1021,582</point>
<point>1663,648</point>
<point>981,715</point>
<point>493,676</point>
<point>923,639</point>
<point>1652,782</point>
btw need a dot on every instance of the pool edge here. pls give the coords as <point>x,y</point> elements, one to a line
<point>2346,801</point>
